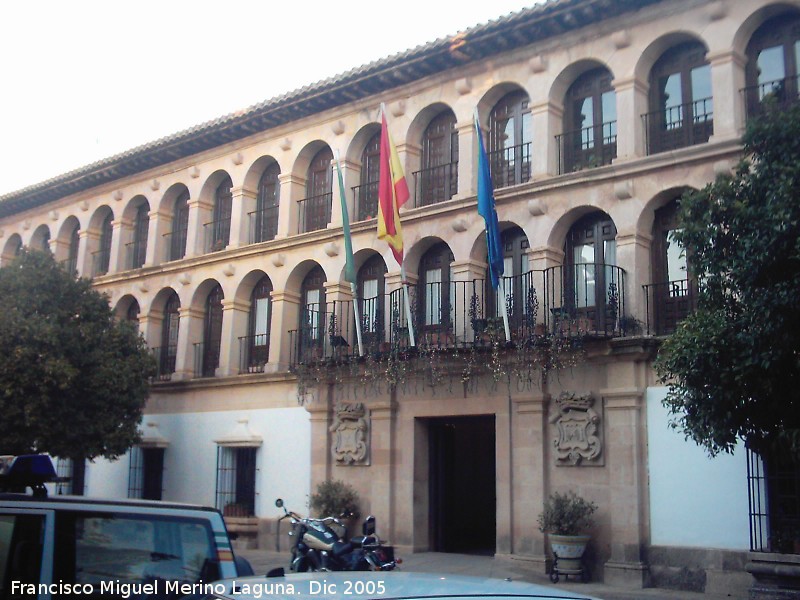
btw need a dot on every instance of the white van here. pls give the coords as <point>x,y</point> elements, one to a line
<point>71,545</point>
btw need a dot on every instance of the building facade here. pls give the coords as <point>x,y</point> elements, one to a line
<point>224,243</point>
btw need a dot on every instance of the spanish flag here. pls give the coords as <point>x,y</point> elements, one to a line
<point>392,194</point>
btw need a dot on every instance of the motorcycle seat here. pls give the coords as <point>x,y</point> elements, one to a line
<point>341,548</point>
<point>363,540</point>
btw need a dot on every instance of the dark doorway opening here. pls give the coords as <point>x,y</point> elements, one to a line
<point>462,480</point>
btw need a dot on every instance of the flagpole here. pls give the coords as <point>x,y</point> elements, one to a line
<point>348,250</point>
<point>411,339</point>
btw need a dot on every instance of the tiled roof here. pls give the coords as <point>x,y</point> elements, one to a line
<point>500,35</point>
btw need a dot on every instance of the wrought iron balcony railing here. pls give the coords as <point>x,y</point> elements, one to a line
<point>263,224</point>
<point>165,361</point>
<point>667,303</point>
<point>175,244</point>
<point>587,148</point>
<point>365,198</point>
<point>217,235</point>
<point>253,353</point>
<point>679,126</point>
<point>510,166</point>
<point>135,254</point>
<point>779,94</point>
<point>435,184</point>
<point>315,212</point>
<point>585,300</point>
<point>100,262</point>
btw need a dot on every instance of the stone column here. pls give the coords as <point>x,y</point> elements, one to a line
<point>293,189</point>
<point>631,105</point>
<point>157,227</point>
<point>627,468</point>
<point>464,274</point>
<point>59,249</point>
<point>727,79</point>
<point>467,160</point>
<point>199,214</point>
<point>285,317</point>
<point>350,174</point>
<point>382,440</point>
<point>319,416</point>
<point>410,156</point>
<point>88,239</point>
<point>150,328</point>
<point>117,260</point>
<point>244,203</point>
<point>234,326</point>
<point>547,284</point>
<point>546,120</point>
<point>633,257</point>
<point>190,332</point>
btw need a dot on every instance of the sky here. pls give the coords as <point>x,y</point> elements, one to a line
<point>84,80</point>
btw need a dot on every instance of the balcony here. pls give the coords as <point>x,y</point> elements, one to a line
<point>679,126</point>
<point>253,353</point>
<point>175,244</point>
<point>668,303</point>
<point>435,184</point>
<point>510,166</point>
<point>263,224</point>
<point>315,212</point>
<point>365,199</point>
<point>165,361</point>
<point>779,94</point>
<point>217,235</point>
<point>579,149</point>
<point>135,253</point>
<point>564,302</point>
<point>100,262</point>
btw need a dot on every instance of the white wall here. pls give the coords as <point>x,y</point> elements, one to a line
<point>190,461</point>
<point>694,500</point>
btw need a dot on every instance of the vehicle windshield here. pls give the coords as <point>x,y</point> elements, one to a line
<point>95,548</point>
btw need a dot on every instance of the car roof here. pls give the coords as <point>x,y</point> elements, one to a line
<point>74,502</point>
<point>397,584</point>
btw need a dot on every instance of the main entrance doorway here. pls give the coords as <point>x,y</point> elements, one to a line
<point>463,506</point>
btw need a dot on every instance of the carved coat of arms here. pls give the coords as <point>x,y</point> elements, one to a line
<point>350,428</point>
<point>579,431</point>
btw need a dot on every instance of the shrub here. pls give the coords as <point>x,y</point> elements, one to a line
<point>334,498</point>
<point>566,514</point>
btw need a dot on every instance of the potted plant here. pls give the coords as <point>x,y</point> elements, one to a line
<point>335,498</point>
<point>565,519</point>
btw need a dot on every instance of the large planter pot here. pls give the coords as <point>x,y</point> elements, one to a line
<point>569,550</point>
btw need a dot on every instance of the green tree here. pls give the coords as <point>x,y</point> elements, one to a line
<point>733,367</point>
<point>73,380</point>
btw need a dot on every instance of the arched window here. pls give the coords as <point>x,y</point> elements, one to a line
<point>435,304</point>
<point>212,332</point>
<point>371,288</point>
<point>438,179</point>
<point>180,227</point>
<point>316,211</point>
<point>672,295</point>
<point>137,249</point>
<point>265,218</point>
<point>170,326</point>
<point>102,257</point>
<point>256,346</point>
<point>132,314</point>
<point>312,313</point>
<point>72,251</point>
<point>41,239</point>
<point>590,123</point>
<point>367,192</point>
<point>681,107</point>
<point>510,128</point>
<point>219,230</point>
<point>773,63</point>
<point>592,281</point>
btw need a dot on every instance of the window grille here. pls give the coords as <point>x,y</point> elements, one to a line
<point>236,481</point>
<point>146,473</point>
<point>75,472</point>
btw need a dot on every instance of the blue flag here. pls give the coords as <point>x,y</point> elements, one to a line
<point>487,210</point>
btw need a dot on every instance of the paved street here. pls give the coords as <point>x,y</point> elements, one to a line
<point>486,566</point>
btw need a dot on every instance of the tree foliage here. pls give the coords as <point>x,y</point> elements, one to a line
<point>73,380</point>
<point>732,366</point>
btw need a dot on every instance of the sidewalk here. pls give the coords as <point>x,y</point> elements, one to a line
<point>487,566</point>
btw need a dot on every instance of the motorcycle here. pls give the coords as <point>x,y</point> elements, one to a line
<point>317,547</point>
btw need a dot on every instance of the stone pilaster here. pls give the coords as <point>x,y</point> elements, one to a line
<point>546,121</point>
<point>467,159</point>
<point>199,214</point>
<point>631,105</point>
<point>727,78</point>
<point>293,190</point>
<point>234,326</point>
<point>190,332</point>
<point>285,317</point>
<point>116,260</point>
<point>243,204</point>
<point>157,248</point>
